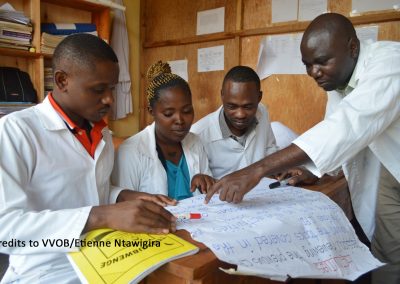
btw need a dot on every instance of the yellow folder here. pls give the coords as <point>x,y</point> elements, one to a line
<point>109,256</point>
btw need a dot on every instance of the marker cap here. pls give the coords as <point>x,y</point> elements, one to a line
<point>188,216</point>
<point>195,216</point>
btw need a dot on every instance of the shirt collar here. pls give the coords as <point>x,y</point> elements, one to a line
<point>68,121</point>
<point>354,76</point>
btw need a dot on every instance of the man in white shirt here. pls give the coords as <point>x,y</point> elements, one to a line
<point>55,165</point>
<point>239,133</point>
<point>366,118</point>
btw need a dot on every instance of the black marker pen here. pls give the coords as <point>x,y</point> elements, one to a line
<point>279,183</point>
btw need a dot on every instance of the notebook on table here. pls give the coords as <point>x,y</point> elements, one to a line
<point>109,256</point>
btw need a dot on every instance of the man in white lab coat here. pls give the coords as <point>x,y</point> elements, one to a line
<point>239,133</point>
<point>366,79</point>
<point>55,165</point>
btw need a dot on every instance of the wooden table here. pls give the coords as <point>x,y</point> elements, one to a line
<point>203,267</point>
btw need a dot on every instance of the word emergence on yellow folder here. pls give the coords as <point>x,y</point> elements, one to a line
<point>109,256</point>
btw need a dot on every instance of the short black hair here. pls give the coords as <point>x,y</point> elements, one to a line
<point>242,74</point>
<point>336,24</point>
<point>82,49</point>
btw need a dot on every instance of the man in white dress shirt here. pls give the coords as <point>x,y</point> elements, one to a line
<point>367,78</point>
<point>239,133</point>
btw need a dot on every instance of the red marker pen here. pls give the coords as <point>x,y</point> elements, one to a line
<point>188,216</point>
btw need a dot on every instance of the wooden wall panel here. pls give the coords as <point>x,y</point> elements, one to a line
<point>340,6</point>
<point>256,14</point>
<point>175,19</point>
<point>295,100</point>
<point>21,63</point>
<point>205,86</point>
<point>389,31</point>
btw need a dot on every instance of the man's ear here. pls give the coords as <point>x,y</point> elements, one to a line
<point>61,80</point>
<point>150,110</point>
<point>260,96</point>
<point>354,44</point>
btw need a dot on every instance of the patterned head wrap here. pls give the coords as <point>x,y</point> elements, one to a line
<point>159,77</point>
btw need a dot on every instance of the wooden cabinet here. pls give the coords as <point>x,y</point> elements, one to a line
<point>59,11</point>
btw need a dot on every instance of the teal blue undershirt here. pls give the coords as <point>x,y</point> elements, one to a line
<point>178,179</point>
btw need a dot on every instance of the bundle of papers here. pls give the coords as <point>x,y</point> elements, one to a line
<point>15,28</point>
<point>48,79</point>
<point>49,42</point>
<point>280,233</point>
<point>8,13</point>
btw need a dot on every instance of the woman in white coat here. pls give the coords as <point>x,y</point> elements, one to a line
<point>164,158</point>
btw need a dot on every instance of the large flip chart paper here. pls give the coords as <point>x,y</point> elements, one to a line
<point>278,233</point>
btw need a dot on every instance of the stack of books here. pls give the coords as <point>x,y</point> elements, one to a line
<point>48,80</point>
<point>53,34</point>
<point>15,28</point>
<point>48,42</point>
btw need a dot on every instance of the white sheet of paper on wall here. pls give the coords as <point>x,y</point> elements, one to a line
<point>368,33</point>
<point>210,59</point>
<point>284,10</point>
<point>309,9</point>
<point>210,21</point>
<point>179,67</point>
<point>261,68</point>
<point>360,6</point>
<point>280,54</point>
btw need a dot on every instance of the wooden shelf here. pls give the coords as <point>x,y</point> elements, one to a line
<point>89,5</point>
<point>18,53</point>
<point>56,11</point>
<point>196,39</point>
<point>276,28</point>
